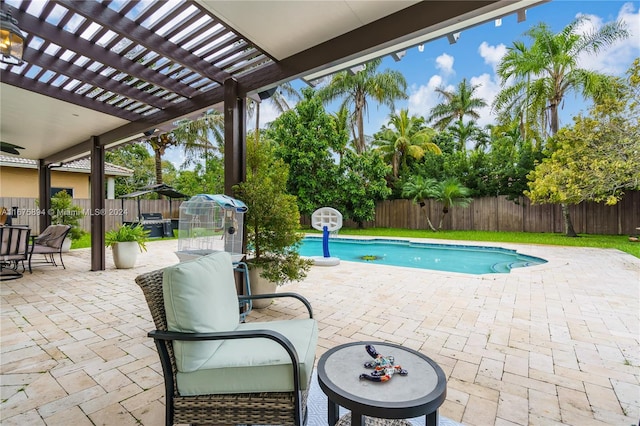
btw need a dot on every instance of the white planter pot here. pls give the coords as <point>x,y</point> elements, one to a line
<point>260,285</point>
<point>66,245</point>
<point>125,254</point>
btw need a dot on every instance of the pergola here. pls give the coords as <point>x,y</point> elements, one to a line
<point>97,74</point>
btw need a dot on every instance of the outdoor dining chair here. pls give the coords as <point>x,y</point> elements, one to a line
<point>48,244</point>
<point>14,249</point>
<point>216,369</point>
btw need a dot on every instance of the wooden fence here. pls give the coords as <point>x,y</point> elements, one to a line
<point>500,214</point>
<point>116,211</point>
<point>484,214</point>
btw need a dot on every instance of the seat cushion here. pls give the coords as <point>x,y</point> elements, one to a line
<point>255,365</point>
<point>39,249</point>
<point>199,297</point>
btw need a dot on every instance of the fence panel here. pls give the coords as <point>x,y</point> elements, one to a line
<point>629,214</point>
<point>509,215</point>
<point>485,214</point>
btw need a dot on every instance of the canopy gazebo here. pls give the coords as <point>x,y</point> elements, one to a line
<point>154,222</point>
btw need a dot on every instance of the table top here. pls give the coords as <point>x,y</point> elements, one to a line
<point>422,391</point>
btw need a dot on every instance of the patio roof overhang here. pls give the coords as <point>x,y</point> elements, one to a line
<point>97,74</point>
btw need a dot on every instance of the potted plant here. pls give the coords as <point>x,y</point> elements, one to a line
<point>125,242</point>
<point>64,212</point>
<point>272,222</point>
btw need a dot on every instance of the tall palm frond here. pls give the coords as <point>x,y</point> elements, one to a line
<point>356,90</point>
<point>457,105</point>
<point>403,137</point>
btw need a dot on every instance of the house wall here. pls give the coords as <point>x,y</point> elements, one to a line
<point>22,182</point>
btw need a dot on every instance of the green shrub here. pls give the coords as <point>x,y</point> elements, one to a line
<point>127,233</point>
<point>64,212</point>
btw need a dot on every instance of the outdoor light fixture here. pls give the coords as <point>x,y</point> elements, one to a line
<point>11,40</point>
<point>267,93</point>
<point>453,37</point>
<point>358,68</point>
<point>522,15</point>
<point>397,56</point>
<point>421,48</point>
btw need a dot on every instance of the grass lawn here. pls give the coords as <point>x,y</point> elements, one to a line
<point>620,242</point>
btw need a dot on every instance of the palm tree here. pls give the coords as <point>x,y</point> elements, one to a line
<point>419,189</point>
<point>385,88</point>
<point>200,137</point>
<point>277,99</point>
<point>451,193</point>
<point>468,132</point>
<point>341,123</point>
<point>546,71</point>
<point>405,137</point>
<point>457,105</point>
<point>194,135</point>
<point>159,145</point>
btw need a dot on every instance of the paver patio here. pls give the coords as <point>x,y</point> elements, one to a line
<point>551,344</point>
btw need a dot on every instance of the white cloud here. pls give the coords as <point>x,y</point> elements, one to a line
<point>614,59</point>
<point>424,97</point>
<point>488,88</point>
<point>492,54</point>
<point>444,63</point>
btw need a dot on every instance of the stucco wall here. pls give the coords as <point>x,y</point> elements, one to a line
<point>19,182</point>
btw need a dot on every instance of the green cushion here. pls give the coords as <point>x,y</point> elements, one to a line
<point>255,365</point>
<point>200,296</point>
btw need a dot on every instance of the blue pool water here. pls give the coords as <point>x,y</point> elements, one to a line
<point>441,257</point>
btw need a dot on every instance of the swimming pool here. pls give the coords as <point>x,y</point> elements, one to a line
<point>441,257</point>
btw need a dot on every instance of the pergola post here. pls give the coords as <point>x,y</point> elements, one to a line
<point>235,170</point>
<point>97,206</point>
<point>44,194</point>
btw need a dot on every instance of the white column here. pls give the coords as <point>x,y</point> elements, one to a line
<point>111,188</point>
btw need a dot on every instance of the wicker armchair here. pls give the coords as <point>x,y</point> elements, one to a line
<point>229,408</point>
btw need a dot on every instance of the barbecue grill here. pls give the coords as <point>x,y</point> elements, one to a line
<point>156,225</point>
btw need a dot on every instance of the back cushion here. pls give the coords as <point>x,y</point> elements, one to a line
<point>200,296</point>
<point>45,235</point>
<point>55,239</point>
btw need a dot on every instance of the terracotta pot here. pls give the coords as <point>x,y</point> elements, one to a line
<point>260,285</point>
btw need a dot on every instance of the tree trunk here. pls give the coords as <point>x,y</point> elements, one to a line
<point>441,219</point>
<point>426,214</point>
<point>158,162</point>
<point>568,225</point>
<point>257,122</point>
<point>433,228</point>
<point>360,144</point>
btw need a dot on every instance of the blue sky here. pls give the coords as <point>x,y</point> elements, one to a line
<point>478,51</point>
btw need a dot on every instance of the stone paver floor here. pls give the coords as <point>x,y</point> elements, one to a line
<point>544,345</point>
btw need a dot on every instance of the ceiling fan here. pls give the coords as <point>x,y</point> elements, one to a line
<point>10,148</point>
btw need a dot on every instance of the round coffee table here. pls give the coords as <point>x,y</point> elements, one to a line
<point>419,393</point>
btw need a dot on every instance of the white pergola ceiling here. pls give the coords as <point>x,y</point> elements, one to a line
<point>284,28</point>
<point>45,125</point>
